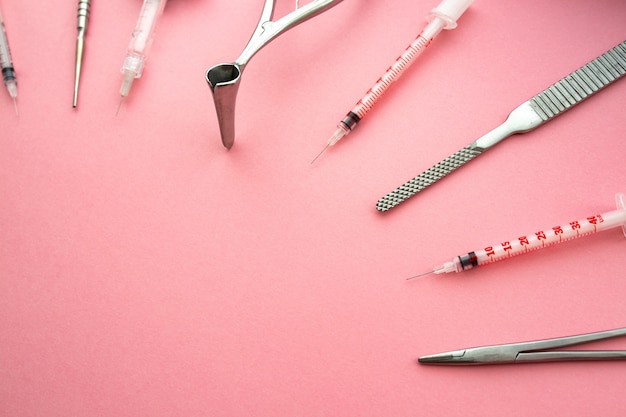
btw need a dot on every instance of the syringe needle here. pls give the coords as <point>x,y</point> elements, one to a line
<point>119,106</point>
<point>320,154</point>
<point>340,132</point>
<point>15,106</point>
<point>419,275</point>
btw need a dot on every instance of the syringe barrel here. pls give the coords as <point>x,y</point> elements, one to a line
<point>548,237</point>
<point>5,53</point>
<point>140,42</point>
<point>391,74</point>
<point>444,16</point>
<point>143,33</point>
<point>612,219</point>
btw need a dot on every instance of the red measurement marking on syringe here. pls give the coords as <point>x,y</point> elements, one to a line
<point>595,220</point>
<point>539,240</point>
<point>394,71</point>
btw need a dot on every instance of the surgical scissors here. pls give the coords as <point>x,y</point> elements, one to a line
<point>224,79</point>
<point>535,351</point>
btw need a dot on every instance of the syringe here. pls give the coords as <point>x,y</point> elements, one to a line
<point>441,17</point>
<point>537,240</point>
<point>139,46</point>
<point>8,73</point>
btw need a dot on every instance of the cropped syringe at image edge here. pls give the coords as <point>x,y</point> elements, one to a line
<point>8,72</point>
<point>139,46</point>
<point>536,240</point>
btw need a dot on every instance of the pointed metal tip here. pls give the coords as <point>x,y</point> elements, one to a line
<point>15,107</point>
<point>78,64</point>
<point>320,154</point>
<point>454,357</point>
<point>419,275</point>
<point>436,358</point>
<point>119,105</point>
<point>75,96</point>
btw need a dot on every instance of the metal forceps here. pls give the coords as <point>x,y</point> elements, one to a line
<point>536,351</point>
<point>224,79</point>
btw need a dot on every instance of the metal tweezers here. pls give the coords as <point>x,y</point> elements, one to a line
<point>224,79</point>
<point>536,351</point>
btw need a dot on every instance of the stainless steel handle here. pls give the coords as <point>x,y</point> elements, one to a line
<point>554,100</point>
<point>581,84</point>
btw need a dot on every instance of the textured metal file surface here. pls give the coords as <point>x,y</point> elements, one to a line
<point>554,100</point>
<point>580,84</point>
<point>427,177</point>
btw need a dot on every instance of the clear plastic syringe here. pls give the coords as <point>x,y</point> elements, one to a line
<point>8,73</point>
<point>441,17</point>
<point>538,240</point>
<point>139,46</point>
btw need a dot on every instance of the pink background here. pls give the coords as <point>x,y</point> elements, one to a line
<point>147,271</point>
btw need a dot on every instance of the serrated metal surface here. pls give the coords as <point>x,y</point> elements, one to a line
<point>554,100</point>
<point>428,177</point>
<point>580,84</point>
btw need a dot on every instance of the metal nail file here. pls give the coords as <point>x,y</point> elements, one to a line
<point>543,107</point>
